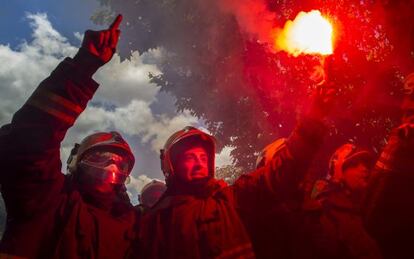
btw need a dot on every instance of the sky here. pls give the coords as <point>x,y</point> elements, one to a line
<point>36,35</point>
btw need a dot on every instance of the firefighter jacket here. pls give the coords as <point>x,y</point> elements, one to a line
<point>339,231</point>
<point>48,216</point>
<point>389,205</point>
<point>210,221</point>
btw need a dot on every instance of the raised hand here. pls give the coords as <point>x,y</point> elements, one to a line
<point>322,101</point>
<point>103,43</point>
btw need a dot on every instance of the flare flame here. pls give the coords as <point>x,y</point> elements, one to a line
<point>308,33</point>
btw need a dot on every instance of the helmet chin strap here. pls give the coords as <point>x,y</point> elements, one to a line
<point>72,164</point>
<point>73,159</point>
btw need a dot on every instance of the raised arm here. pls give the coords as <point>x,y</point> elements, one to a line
<point>30,144</point>
<point>279,178</point>
<point>389,207</point>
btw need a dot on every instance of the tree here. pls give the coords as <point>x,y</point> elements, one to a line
<point>249,95</point>
<point>229,173</point>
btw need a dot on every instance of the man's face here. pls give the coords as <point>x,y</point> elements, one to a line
<point>356,177</point>
<point>192,164</point>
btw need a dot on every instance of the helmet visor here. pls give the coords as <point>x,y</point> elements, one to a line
<point>106,166</point>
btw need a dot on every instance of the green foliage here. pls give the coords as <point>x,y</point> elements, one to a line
<point>103,16</point>
<point>229,173</point>
<point>248,95</point>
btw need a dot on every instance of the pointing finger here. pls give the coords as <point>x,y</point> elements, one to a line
<point>114,37</point>
<point>107,36</point>
<point>116,23</point>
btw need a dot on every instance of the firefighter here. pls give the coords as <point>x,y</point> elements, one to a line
<point>83,214</point>
<point>341,232</point>
<point>389,206</point>
<point>200,216</point>
<point>278,232</point>
<point>150,194</point>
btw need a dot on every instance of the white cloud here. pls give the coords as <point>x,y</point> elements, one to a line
<point>125,81</point>
<point>139,182</point>
<point>224,158</point>
<point>47,42</point>
<point>135,186</point>
<point>125,88</point>
<point>23,69</point>
<point>134,119</point>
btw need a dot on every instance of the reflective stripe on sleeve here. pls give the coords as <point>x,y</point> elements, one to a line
<point>60,115</point>
<point>64,102</point>
<point>55,105</point>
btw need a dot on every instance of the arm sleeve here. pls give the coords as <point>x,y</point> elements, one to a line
<point>30,145</point>
<point>389,208</point>
<point>280,178</point>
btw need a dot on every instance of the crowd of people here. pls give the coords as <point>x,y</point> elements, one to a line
<point>364,207</point>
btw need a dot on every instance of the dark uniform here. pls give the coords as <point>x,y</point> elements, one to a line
<point>389,207</point>
<point>341,233</point>
<point>48,215</point>
<point>333,210</point>
<point>208,221</point>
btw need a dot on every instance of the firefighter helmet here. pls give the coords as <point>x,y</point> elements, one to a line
<point>102,142</point>
<point>344,156</point>
<point>151,193</point>
<point>267,154</point>
<point>188,135</point>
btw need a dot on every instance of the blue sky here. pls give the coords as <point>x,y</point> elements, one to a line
<point>67,16</point>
